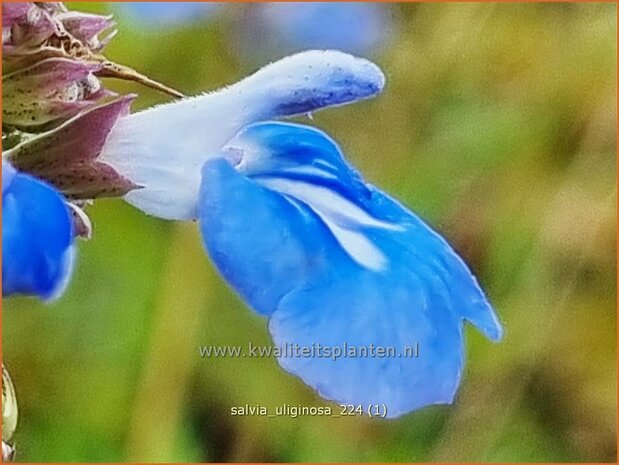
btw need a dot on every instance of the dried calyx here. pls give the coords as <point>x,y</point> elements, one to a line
<point>52,66</point>
<point>34,32</point>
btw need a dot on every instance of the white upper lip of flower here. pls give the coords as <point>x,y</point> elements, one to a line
<point>163,148</point>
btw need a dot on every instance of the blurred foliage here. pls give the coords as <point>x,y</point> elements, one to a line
<point>498,125</point>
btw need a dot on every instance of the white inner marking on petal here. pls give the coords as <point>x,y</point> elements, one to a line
<point>311,170</point>
<point>341,216</point>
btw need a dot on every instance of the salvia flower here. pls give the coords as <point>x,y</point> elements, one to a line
<point>334,262</point>
<point>37,237</point>
<point>331,260</point>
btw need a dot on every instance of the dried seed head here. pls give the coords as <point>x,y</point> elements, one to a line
<point>56,111</point>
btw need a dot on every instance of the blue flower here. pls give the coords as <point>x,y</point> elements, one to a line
<point>158,14</point>
<point>291,27</point>
<point>37,237</point>
<point>332,261</point>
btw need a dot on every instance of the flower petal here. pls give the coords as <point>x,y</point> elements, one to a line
<point>37,237</point>
<point>163,148</point>
<point>335,262</point>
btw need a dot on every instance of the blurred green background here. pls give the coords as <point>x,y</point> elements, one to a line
<point>497,125</point>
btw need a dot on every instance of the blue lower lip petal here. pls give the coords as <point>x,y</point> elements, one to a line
<point>293,255</point>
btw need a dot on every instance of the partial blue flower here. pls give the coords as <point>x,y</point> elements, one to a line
<point>162,149</point>
<point>332,260</point>
<point>37,237</point>
<point>159,14</point>
<point>286,27</point>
